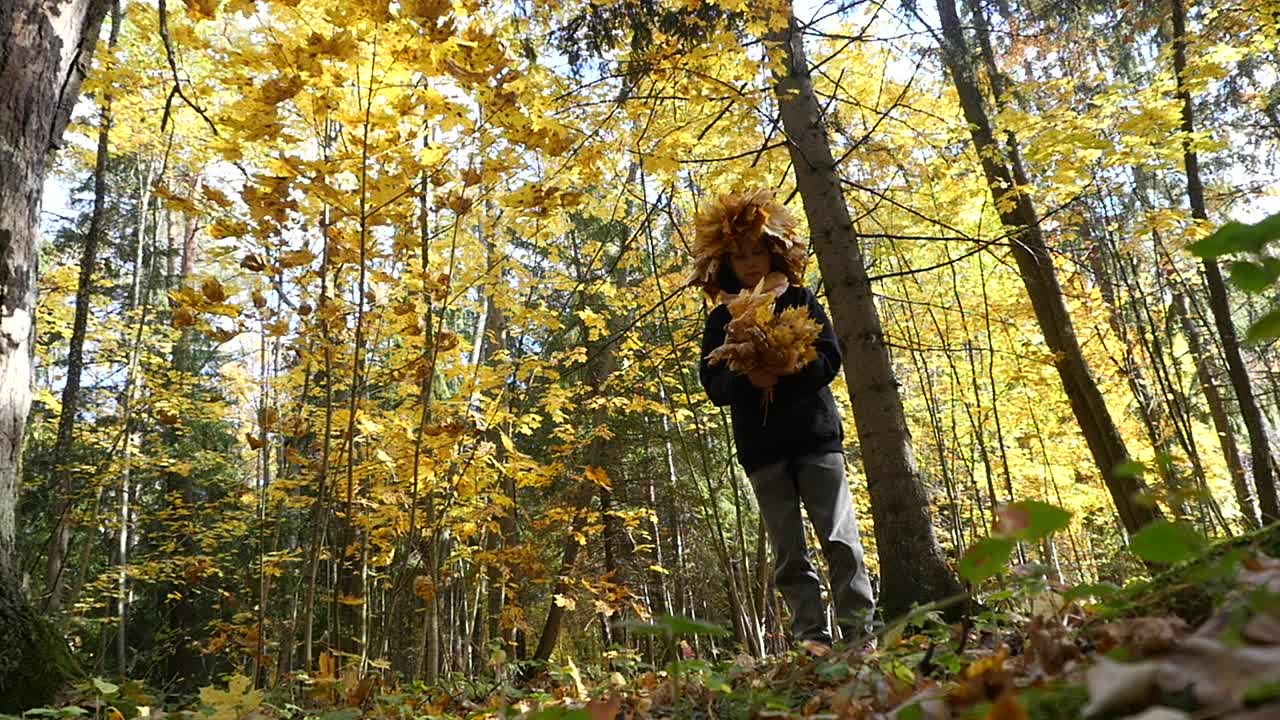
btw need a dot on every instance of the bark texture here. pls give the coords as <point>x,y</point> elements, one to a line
<point>44,49</point>
<point>912,566</point>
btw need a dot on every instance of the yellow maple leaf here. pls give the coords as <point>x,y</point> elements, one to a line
<point>202,9</point>
<point>599,476</point>
<point>296,258</point>
<point>238,700</point>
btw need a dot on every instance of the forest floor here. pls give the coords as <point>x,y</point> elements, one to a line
<point>1201,640</point>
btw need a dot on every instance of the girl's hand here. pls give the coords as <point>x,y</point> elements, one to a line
<point>762,378</point>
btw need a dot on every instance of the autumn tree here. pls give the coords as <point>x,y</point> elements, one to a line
<point>913,569</point>
<point>1008,182</point>
<point>1263,463</point>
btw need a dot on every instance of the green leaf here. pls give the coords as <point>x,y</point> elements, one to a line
<point>1254,277</point>
<point>1129,469</point>
<point>1238,237</point>
<point>668,625</point>
<point>914,711</point>
<point>1266,328</point>
<point>1262,692</point>
<point>1167,542</point>
<point>688,626</point>
<point>104,687</point>
<point>835,671</point>
<point>1029,520</point>
<point>638,627</point>
<point>559,713</point>
<point>1100,590</point>
<point>985,558</point>
<point>1219,569</point>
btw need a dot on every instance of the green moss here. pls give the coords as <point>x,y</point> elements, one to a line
<point>1192,589</point>
<point>35,662</point>
<point>1055,702</point>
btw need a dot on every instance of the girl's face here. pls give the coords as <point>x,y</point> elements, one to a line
<point>750,261</point>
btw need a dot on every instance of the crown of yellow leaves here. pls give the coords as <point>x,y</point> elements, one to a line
<point>739,217</point>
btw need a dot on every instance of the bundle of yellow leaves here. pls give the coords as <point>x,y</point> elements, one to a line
<point>758,339</point>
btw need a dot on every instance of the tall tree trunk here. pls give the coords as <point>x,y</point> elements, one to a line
<point>64,481</point>
<point>45,49</point>
<point>1035,264</point>
<point>1219,302</point>
<point>912,566</point>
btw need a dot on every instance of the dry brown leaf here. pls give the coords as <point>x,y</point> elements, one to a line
<point>183,317</point>
<point>213,290</point>
<point>605,708</point>
<point>930,701</point>
<point>1142,636</point>
<point>984,679</point>
<point>1050,645</point>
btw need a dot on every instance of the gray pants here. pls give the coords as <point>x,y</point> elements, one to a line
<point>819,482</point>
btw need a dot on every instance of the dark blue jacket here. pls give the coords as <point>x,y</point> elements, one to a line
<point>802,418</point>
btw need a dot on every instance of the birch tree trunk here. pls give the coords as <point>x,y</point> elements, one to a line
<point>912,566</point>
<point>1035,265</point>
<point>44,51</point>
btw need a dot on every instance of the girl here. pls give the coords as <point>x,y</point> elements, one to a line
<point>793,451</point>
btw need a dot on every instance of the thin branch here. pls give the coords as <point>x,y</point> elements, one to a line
<point>177,81</point>
<point>739,156</point>
<point>945,263</point>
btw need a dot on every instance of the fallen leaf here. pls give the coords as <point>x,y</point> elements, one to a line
<point>605,708</point>
<point>1142,636</point>
<point>1115,685</point>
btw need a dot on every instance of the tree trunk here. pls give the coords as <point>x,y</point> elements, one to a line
<point>912,567</point>
<point>54,570</point>
<point>44,51</point>
<point>1035,265</point>
<point>1219,302</point>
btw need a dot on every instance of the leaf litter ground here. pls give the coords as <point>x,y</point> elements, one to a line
<point>1195,642</point>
